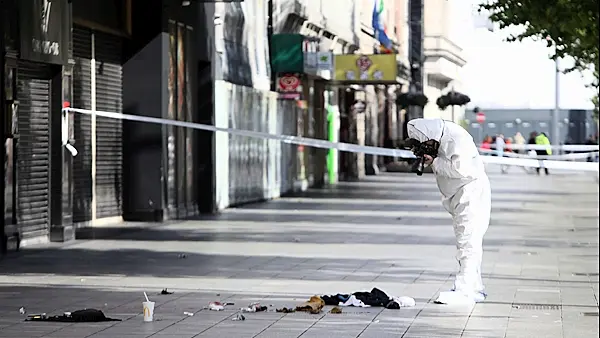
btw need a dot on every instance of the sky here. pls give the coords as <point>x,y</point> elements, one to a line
<point>499,74</point>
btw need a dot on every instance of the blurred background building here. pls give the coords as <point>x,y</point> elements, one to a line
<point>575,125</point>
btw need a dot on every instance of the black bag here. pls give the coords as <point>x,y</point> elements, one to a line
<point>79,316</point>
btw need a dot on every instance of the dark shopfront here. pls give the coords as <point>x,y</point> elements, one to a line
<point>34,86</point>
<point>51,63</point>
<point>108,56</point>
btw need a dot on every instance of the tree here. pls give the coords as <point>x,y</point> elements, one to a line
<point>570,25</point>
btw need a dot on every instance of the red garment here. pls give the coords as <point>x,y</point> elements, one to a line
<point>486,145</point>
<point>507,146</point>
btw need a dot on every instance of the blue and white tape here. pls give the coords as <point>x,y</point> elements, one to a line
<point>354,148</point>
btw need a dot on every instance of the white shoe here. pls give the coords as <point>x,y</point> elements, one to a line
<point>459,298</point>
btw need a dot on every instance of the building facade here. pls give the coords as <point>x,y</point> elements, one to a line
<point>150,58</point>
<point>444,58</point>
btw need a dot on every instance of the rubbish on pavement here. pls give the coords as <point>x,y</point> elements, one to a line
<point>166,292</point>
<point>254,307</point>
<point>182,256</point>
<point>22,310</point>
<point>148,310</point>
<point>285,310</point>
<point>375,297</point>
<point>313,305</point>
<point>239,317</point>
<point>79,316</point>
<point>216,306</point>
<point>189,314</point>
<point>336,310</point>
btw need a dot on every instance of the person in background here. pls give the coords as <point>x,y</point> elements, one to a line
<point>507,148</point>
<point>500,145</point>
<point>531,141</point>
<point>543,140</point>
<point>508,145</point>
<point>519,141</point>
<point>487,143</point>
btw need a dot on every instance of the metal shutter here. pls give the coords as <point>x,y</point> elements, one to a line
<point>82,98</point>
<point>109,132</point>
<point>33,150</point>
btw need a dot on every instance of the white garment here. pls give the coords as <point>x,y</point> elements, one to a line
<point>405,301</point>
<point>500,144</point>
<point>466,194</point>
<point>353,301</point>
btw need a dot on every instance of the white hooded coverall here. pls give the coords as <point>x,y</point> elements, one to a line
<point>466,195</point>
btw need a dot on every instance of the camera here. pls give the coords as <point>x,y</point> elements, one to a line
<point>420,149</point>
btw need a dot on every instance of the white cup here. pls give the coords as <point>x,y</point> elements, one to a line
<point>148,311</point>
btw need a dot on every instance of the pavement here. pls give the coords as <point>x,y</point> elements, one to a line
<point>388,231</point>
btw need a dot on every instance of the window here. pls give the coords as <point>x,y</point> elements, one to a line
<point>526,124</point>
<point>543,124</point>
<point>508,124</point>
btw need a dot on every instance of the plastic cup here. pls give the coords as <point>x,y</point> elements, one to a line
<point>148,311</point>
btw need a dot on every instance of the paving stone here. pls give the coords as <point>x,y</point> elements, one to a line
<point>388,231</point>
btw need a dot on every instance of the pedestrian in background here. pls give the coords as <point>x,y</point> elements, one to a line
<point>500,145</point>
<point>519,141</point>
<point>543,140</point>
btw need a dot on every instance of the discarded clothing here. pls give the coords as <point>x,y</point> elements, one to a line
<point>405,301</point>
<point>353,301</point>
<point>314,305</point>
<point>286,310</point>
<point>79,316</point>
<point>376,298</point>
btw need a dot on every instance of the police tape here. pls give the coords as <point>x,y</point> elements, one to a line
<point>564,147</point>
<point>563,157</point>
<point>316,143</point>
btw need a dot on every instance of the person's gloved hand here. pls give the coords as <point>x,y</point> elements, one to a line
<point>427,159</point>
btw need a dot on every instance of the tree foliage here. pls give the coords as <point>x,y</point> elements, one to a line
<point>570,25</point>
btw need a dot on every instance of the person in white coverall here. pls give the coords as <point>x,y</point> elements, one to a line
<point>466,195</point>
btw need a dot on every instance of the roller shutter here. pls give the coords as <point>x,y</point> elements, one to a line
<point>108,96</point>
<point>33,150</point>
<point>82,98</point>
<point>109,132</point>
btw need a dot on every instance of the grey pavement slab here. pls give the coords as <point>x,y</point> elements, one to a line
<point>389,231</point>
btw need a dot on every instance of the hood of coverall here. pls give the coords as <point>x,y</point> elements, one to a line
<point>426,129</point>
